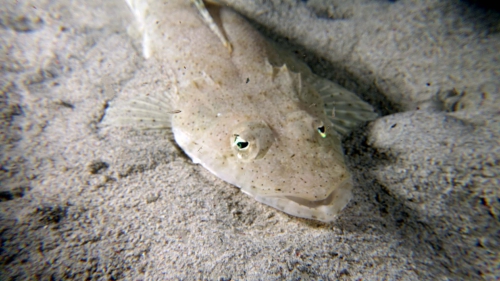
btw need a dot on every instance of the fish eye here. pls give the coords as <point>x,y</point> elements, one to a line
<point>240,142</point>
<point>321,131</point>
<point>251,140</point>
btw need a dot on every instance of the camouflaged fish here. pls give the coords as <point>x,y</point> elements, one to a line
<point>251,114</point>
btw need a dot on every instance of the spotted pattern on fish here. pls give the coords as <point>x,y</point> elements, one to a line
<point>244,109</point>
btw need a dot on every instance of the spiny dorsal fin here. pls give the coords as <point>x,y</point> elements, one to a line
<point>350,111</point>
<point>212,24</point>
<point>289,81</point>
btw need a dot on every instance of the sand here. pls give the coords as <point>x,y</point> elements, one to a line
<point>79,201</point>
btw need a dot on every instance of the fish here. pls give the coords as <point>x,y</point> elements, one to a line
<point>244,108</point>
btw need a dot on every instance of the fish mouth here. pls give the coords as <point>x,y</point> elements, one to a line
<point>313,204</point>
<point>324,210</point>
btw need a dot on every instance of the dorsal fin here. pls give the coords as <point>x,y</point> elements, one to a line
<point>345,109</point>
<point>212,21</point>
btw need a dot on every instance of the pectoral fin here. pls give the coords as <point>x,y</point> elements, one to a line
<point>345,109</point>
<point>147,112</point>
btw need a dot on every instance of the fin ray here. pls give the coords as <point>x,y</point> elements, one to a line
<point>345,109</point>
<point>149,112</point>
<point>349,110</point>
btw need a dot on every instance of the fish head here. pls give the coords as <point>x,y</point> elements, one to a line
<point>296,167</point>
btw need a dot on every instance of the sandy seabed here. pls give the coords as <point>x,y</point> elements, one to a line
<point>79,201</point>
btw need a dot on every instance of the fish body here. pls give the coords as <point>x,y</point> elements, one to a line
<point>250,114</point>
